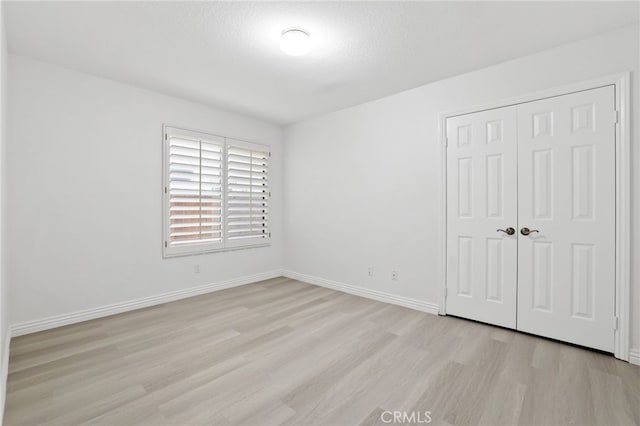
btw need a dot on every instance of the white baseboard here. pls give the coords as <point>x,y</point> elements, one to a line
<point>380,296</point>
<point>634,356</point>
<point>4,372</point>
<point>117,308</point>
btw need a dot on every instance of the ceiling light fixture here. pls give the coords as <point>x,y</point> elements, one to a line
<point>295,42</point>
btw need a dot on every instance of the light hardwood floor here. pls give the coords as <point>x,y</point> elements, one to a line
<point>284,352</point>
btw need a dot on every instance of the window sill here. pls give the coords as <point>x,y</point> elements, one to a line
<point>166,255</point>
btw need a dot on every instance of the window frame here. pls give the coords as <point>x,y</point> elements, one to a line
<point>196,248</point>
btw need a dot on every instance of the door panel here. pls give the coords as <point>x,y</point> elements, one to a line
<point>481,198</point>
<point>566,191</point>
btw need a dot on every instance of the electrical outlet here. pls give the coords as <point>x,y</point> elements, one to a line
<point>196,269</point>
<point>394,275</point>
<point>370,271</point>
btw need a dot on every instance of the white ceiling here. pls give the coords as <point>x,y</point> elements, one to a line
<point>226,54</point>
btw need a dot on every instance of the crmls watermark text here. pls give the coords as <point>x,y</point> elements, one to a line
<point>400,417</point>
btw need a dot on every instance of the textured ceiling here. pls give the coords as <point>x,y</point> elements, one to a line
<point>226,54</point>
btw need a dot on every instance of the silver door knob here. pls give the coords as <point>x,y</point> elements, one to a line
<point>508,231</point>
<point>527,231</point>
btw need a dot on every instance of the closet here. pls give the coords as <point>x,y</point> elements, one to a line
<point>531,217</point>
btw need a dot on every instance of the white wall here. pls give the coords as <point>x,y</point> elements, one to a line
<point>362,185</point>
<point>4,324</point>
<point>84,203</point>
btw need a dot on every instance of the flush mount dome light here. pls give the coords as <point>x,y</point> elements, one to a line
<point>295,42</point>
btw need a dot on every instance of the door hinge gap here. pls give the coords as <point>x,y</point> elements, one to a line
<point>616,116</point>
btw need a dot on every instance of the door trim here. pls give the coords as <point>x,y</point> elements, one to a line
<point>623,192</point>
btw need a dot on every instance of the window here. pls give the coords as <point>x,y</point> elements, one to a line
<point>216,193</point>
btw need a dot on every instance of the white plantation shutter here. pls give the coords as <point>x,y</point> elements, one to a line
<point>216,193</point>
<point>247,194</point>
<point>193,192</point>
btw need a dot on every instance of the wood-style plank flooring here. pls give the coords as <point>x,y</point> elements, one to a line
<point>284,352</point>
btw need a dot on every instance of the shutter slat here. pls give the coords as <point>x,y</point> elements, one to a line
<point>242,166</point>
<point>188,225</point>
<point>243,235</point>
<point>208,233</point>
<point>248,182</point>
<point>240,152</point>
<point>194,216</point>
<point>246,196</point>
<point>191,176</point>
<point>195,193</point>
<point>194,208</point>
<point>194,162</point>
<point>186,152</point>
<point>258,223</point>
<point>184,143</point>
<point>184,185</point>
<point>238,207</point>
<point>204,240</point>
<point>242,161</point>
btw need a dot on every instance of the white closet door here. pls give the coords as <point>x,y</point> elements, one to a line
<point>566,191</point>
<point>482,198</point>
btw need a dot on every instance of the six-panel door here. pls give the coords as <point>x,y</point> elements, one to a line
<point>546,168</point>
<point>566,191</point>
<point>482,198</point>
